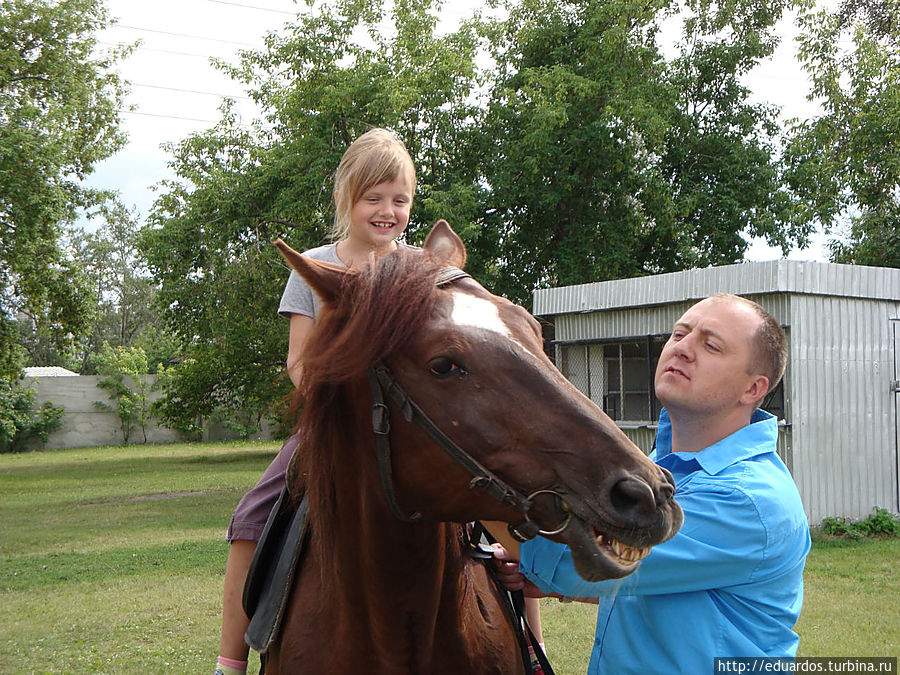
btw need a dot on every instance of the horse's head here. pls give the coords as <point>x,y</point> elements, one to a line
<point>474,364</point>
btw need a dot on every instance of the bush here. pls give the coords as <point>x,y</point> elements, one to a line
<point>131,396</point>
<point>20,422</point>
<point>882,522</point>
<point>185,405</point>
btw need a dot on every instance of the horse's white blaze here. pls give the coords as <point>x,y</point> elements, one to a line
<point>478,313</point>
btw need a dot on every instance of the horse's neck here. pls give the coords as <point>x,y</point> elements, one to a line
<point>397,571</point>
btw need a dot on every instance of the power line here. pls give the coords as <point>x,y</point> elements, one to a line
<point>142,48</point>
<point>169,117</point>
<point>261,9</point>
<point>186,35</point>
<point>178,117</point>
<point>191,91</point>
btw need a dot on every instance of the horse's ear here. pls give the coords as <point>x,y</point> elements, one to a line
<point>323,277</point>
<point>445,246</point>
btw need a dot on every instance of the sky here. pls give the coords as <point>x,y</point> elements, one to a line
<point>175,90</point>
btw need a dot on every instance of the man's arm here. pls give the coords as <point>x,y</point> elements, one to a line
<point>722,543</point>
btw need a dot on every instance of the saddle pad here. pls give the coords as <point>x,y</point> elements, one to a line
<point>272,570</point>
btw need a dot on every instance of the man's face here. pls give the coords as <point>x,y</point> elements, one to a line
<point>704,366</point>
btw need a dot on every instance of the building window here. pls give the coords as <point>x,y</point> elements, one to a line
<point>628,373</point>
<point>618,377</point>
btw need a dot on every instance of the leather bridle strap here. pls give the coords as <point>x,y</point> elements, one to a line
<point>380,377</point>
<point>381,425</point>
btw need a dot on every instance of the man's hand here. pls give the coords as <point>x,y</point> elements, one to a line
<point>509,575</point>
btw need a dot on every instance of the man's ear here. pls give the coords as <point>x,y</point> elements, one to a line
<point>323,277</point>
<point>757,389</point>
<point>444,245</point>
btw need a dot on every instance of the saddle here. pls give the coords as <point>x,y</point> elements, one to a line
<point>272,570</point>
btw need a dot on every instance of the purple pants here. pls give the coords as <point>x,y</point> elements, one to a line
<point>253,510</point>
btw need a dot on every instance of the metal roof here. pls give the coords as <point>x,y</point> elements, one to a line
<point>747,278</point>
<point>48,371</point>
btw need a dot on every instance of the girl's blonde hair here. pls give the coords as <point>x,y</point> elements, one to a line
<point>375,157</point>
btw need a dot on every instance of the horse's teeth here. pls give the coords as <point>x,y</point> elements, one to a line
<point>623,552</point>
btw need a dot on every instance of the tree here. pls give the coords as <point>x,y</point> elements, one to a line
<point>123,296</point>
<point>607,161</point>
<point>126,313</point>
<point>20,421</point>
<point>126,381</point>
<point>59,116</point>
<point>845,163</point>
<point>208,239</point>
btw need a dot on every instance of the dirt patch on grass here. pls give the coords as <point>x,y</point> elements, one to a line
<point>160,495</point>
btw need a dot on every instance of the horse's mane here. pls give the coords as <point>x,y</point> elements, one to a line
<point>377,312</point>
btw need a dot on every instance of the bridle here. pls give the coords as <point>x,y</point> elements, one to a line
<point>381,380</point>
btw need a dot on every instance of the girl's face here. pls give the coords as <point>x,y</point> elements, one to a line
<point>381,214</point>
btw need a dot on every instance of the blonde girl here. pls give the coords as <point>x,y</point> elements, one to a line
<point>373,194</point>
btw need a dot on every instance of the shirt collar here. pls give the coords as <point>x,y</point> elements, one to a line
<point>758,437</point>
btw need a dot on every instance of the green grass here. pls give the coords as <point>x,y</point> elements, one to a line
<point>111,561</point>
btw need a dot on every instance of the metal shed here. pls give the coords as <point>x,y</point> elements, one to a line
<point>838,404</point>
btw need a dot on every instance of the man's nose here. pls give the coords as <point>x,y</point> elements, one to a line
<point>684,348</point>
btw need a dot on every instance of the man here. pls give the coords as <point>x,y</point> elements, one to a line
<point>730,583</point>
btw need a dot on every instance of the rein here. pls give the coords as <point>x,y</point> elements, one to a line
<point>382,380</point>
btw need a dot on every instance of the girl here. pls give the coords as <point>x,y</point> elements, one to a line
<point>373,194</point>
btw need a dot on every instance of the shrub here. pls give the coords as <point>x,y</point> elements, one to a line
<point>20,422</point>
<point>185,406</point>
<point>131,396</point>
<point>882,522</point>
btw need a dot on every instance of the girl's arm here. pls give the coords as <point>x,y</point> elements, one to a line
<point>301,327</point>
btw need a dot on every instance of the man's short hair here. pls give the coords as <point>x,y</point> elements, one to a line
<point>769,355</point>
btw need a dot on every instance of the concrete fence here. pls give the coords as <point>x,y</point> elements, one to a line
<point>85,424</point>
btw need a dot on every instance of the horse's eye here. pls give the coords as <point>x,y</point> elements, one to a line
<point>442,367</point>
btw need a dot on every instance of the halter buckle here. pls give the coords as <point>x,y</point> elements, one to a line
<point>381,422</point>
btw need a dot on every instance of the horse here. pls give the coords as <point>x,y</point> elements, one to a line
<point>428,403</point>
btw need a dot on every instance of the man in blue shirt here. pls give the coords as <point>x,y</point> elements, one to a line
<point>730,583</point>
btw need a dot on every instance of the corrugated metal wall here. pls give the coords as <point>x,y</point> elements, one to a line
<point>749,278</point>
<point>844,451</point>
<point>840,440</point>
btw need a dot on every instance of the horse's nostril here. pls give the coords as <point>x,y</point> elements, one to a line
<point>665,490</point>
<point>631,494</point>
<point>664,493</point>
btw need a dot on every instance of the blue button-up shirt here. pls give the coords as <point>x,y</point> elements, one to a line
<point>730,583</point>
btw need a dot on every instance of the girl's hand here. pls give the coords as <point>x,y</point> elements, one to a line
<point>508,574</point>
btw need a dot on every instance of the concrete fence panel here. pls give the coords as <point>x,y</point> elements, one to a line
<point>85,424</point>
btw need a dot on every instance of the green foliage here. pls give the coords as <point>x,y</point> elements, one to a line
<point>126,382</point>
<point>845,163</point>
<point>184,405</point>
<point>20,422</point>
<point>208,239</point>
<point>605,160</point>
<point>882,522</point>
<point>59,103</point>
<point>125,312</point>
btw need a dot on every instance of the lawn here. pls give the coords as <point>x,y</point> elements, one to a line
<point>111,561</point>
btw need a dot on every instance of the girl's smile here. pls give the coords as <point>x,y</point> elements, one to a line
<point>381,214</point>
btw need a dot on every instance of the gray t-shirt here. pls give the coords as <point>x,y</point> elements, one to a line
<point>298,297</point>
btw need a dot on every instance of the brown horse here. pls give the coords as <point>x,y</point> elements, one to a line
<point>377,594</point>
